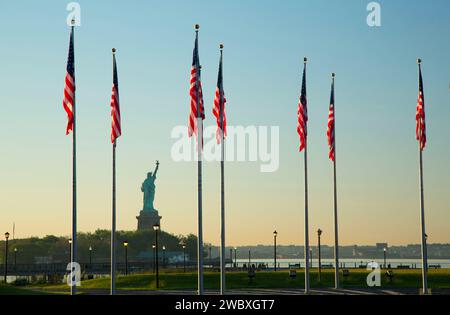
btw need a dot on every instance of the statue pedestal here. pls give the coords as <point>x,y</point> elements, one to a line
<point>147,219</point>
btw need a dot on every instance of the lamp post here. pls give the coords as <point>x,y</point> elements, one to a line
<point>15,258</point>
<point>319,233</point>
<point>154,259</point>
<point>184,258</point>
<point>164,256</point>
<point>6,255</point>
<point>231,257</point>
<point>384,256</point>
<point>249,259</point>
<point>210,256</point>
<point>310,257</point>
<point>70,250</point>
<point>125,244</point>
<point>156,229</point>
<point>90,257</point>
<point>235,257</point>
<point>275,234</point>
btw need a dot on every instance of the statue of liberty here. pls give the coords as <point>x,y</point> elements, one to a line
<point>148,188</point>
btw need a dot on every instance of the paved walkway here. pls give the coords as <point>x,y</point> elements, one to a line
<point>355,291</point>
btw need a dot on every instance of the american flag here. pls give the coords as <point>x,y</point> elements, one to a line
<point>330,129</point>
<point>302,113</point>
<point>197,109</point>
<point>116,130</point>
<point>69,87</point>
<point>420,115</point>
<point>219,106</point>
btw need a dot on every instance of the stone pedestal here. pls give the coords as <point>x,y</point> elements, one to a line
<point>147,219</point>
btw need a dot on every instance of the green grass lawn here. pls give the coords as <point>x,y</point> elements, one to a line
<point>12,290</point>
<point>266,280</point>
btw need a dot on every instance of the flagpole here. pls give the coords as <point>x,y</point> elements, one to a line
<point>422,219</point>
<point>422,213</point>
<point>306,213</point>
<point>199,171</point>
<point>306,224</point>
<point>336,239</point>
<point>73,288</point>
<point>113,223</point>
<point>113,227</point>
<point>222,190</point>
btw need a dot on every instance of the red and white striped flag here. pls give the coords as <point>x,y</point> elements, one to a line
<point>69,86</point>
<point>420,115</point>
<point>219,105</point>
<point>302,113</point>
<point>116,130</point>
<point>330,128</point>
<point>195,91</point>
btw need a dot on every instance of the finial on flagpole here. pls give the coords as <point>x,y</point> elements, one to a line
<point>113,51</point>
<point>305,60</point>
<point>333,75</point>
<point>419,61</point>
<point>197,27</point>
<point>221,46</point>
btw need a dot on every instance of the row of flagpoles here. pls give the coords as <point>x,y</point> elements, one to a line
<point>69,106</point>
<point>195,127</point>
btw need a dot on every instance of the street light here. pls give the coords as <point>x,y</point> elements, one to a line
<point>235,257</point>
<point>384,255</point>
<point>70,250</point>
<point>164,256</point>
<point>210,252</point>
<point>231,257</point>
<point>275,234</point>
<point>184,258</point>
<point>15,258</point>
<point>6,255</point>
<point>319,233</point>
<point>249,259</point>
<point>310,257</point>
<point>154,261</point>
<point>156,229</point>
<point>90,257</point>
<point>125,244</point>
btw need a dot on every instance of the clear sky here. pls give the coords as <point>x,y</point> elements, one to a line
<point>265,41</point>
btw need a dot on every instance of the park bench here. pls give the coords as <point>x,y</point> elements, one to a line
<point>436,266</point>
<point>292,274</point>
<point>251,274</point>
<point>403,267</point>
<point>345,273</point>
<point>390,275</point>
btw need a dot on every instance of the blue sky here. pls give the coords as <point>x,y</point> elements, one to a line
<point>265,41</point>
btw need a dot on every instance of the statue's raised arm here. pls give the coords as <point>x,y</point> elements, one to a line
<point>156,169</point>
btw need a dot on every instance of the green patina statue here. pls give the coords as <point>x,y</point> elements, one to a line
<point>148,188</point>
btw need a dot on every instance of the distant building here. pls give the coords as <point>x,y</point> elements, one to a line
<point>381,246</point>
<point>43,259</point>
<point>355,251</point>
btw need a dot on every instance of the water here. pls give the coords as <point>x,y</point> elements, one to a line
<point>346,262</point>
